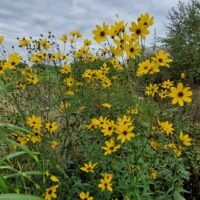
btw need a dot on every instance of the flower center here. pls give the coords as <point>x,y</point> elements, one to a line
<point>180,94</point>
<point>160,60</point>
<point>131,49</point>
<point>102,33</point>
<point>50,192</point>
<point>125,132</point>
<point>138,31</point>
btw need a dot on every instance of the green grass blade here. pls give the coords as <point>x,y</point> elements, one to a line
<point>13,196</point>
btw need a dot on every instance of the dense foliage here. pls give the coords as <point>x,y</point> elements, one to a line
<point>183,39</point>
<point>79,124</point>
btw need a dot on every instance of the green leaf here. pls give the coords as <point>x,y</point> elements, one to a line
<point>14,196</point>
<point>3,185</point>
<point>9,127</point>
<point>24,148</point>
<point>12,155</point>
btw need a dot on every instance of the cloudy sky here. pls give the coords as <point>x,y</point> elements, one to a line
<point>32,17</point>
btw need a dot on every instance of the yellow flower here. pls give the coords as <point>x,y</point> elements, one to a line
<point>69,81</point>
<point>87,42</point>
<point>143,68</point>
<point>70,93</point>
<point>85,196</point>
<point>185,139</point>
<point>180,94</point>
<point>66,69</point>
<point>167,84</point>
<point>162,58</point>
<point>64,37</point>
<point>105,183</point>
<point>51,192</point>
<point>32,78</point>
<point>151,89</point>
<point>100,33</point>
<point>64,106</point>
<point>54,179</point>
<point>1,39</point>
<point>108,128</point>
<point>132,49</point>
<point>54,144</point>
<point>146,19</point>
<point>13,60</point>
<point>125,120</point>
<point>139,30</point>
<point>166,127</point>
<point>182,75</point>
<point>45,44</point>
<point>154,144</point>
<point>124,132</point>
<point>154,175</point>
<point>163,94</point>
<point>24,42</point>
<point>51,126</point>
<point>35,122</point>
<point>88,167</point>
<point>110,147</point>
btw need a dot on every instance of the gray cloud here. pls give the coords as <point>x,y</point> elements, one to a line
<point>32,17</point>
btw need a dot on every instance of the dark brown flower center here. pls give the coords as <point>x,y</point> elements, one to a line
<point>1,68</point>
<point>160,60</point>
<point>12,63</point>
<point>131,49</point>
<point>138,31</point>
<point>102,33</point>
<point>145,23</point>
<point>180,94</point>
<point>111,148</point>
<point>50,192</point>
<point>125,132</point>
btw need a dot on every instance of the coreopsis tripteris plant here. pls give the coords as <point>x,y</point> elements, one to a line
<point>34,121</point>
<point>162,58</point>
<point>146,19</point>
<point>100,33</point>
<point>13,60</point>
<point>105,182</point>
<point>154,175</point>
<point>24,42</point>
<point>167,84</point>
<point>63,38</point>
<point>139,30</point>
<point>125,132</point>
<point>106,105</point>
<point>180,94</point>
<point>89,167</point>
<point>108,128</point>
<point>151,89</point>
<point>110,147</point>
<point>50,192</point>
<point>85,196</point>
<point>106,72</point>
<point>185,139</point>
<point>66,69</point>
<point>51,126</point>
<point>166,127</point>
<point>54,144</point>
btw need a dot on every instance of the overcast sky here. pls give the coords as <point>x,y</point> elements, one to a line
<point>32,17</point>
